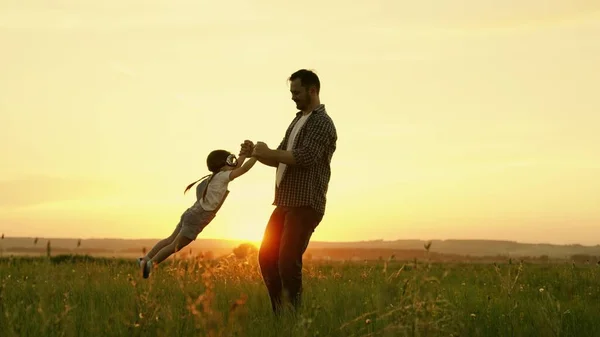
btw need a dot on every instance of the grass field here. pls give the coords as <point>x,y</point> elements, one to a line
<point>84,296</point>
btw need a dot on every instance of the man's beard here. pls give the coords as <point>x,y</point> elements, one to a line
<point>304,103</point>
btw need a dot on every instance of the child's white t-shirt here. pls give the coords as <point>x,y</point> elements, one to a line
<point>217,188</point>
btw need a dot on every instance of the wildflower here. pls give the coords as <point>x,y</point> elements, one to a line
<point>367,321</point>
<point>473,315</point>
<point>541,290</point>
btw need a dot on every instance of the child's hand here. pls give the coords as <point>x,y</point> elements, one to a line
<point>246,148</point>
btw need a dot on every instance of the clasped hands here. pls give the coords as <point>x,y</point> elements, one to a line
<point>248,149</point>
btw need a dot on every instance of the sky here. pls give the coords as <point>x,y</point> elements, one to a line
<point>456,119</point>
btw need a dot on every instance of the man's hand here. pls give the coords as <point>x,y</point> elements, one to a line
<point>260,150</point>
<point>246,148</point>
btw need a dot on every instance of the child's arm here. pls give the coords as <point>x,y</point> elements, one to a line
<point>240,161</point>
<point>237,172</point>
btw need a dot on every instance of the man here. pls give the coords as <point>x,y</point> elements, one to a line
<point>303,171</point>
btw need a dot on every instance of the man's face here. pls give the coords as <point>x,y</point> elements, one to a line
<point>300,95</point>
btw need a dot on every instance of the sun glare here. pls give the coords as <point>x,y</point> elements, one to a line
<point>247,232</point>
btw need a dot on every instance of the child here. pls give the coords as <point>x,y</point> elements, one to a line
<point>210,195</point>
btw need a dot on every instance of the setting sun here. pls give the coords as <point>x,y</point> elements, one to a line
<point>249,232</point>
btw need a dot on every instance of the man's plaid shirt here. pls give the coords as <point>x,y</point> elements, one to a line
<point>306,183</point>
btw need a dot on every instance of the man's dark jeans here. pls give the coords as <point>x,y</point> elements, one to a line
<point>285,240</point>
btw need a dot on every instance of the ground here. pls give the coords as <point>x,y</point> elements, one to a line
<point>82,295</point>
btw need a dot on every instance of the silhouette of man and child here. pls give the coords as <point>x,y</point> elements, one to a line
<point>302,161</point>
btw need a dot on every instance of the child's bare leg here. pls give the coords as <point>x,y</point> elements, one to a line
<point>175,246</point>
<point>162,243</point>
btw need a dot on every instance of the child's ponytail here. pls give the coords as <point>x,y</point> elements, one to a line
<point>192,184</point>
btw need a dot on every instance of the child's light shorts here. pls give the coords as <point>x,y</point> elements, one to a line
<point>193,222</point>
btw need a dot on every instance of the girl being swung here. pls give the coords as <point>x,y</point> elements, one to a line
<point>211,192</point>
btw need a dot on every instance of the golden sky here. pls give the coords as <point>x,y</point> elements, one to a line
<point>469,119</point>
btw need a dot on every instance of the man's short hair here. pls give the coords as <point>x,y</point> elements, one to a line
<point>307,79</point>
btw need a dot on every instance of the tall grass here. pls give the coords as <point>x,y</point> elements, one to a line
<point>85,296</point>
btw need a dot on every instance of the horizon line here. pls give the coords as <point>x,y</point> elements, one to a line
<point>312,241</point>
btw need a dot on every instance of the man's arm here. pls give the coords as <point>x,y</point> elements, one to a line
<point>316,141</point>
<point>278,156</point>
<point>273,160</point>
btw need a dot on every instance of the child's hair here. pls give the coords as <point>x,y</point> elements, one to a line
<point>215,161</point>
